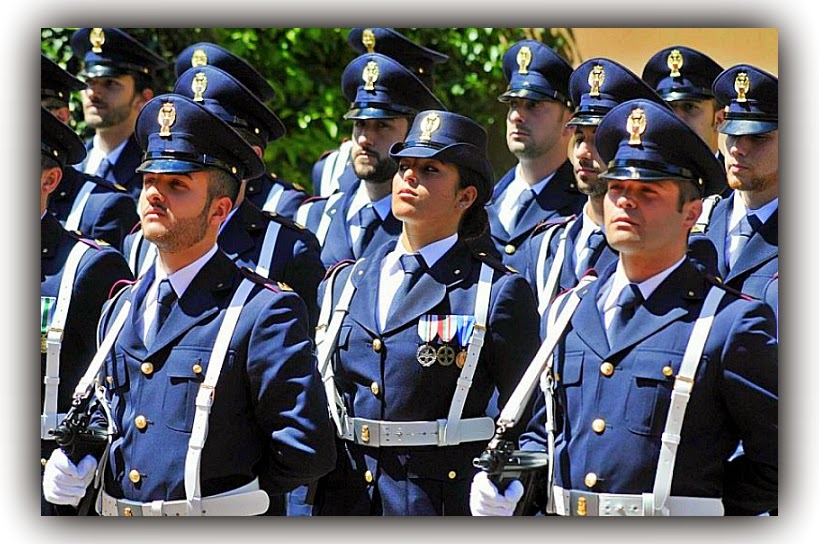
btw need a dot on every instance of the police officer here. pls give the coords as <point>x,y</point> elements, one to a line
<point>76,277</point>
<point>267,242</point>
<point>384,97</point>
<point>541,186</point>
<point>211,380</point>
<point>334,170</point>
<point>743,229</point>
<point>268,192</point>
<point>97,207</point>
<point>119,73</point>
<point>652,324</point>
<point>412,381</point>
<point>683,77</point>
<point>562,251</point>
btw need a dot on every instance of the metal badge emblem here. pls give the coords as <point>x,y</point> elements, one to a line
<point>674,62</point>
<point>596,78</point>
<point>426,355</point>
<point>199,58</point>
<point>430,124</point>
<point>368,39</point>
<point>199,85</point>
<point>742,84</point>
<point>524,59</point>
<point>636,126</point>
<point>166,118</point>
<point>97,38</point>
<point>446,355</point>
<point>370,75</point>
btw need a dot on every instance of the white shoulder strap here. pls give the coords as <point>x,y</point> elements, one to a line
<point>548,289</point>
<point>326,218</point>
<point>302,213</point>
<point>273,198</point>
<point>204,398</point>
<point>654,503</point>
<point>271,236</point>
<point>74,216</point>
<point>54,341</point>
<point>334,166</point>
<point>133,255</point>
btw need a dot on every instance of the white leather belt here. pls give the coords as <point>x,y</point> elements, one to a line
<point>376,433</point>
<point>247,500</point>
<point>581,503</point>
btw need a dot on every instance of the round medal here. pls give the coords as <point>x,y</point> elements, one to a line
<point>425,355</point>
<point>446,355</point>
<point>460,359</point>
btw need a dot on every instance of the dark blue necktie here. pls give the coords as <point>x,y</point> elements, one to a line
<point>368,220</point>
<point>627,302</point>
<point>103,169</point>
<point>165,299</point>
<point>744,230</point>
<point>524,201</point>
<point>412,264</point>
<point>590,253</point>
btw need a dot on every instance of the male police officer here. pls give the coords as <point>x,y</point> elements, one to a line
<point>334,170</point>
<point>92,205</point>
<point>744,227</point>
<point>76,277</point>
<point>652,386</point>
<point>119,72</point>
<point>384,97</point>
<point>210,376</point>
<point>268,192</point>
<point>541,186</point>
<point>561,252</point>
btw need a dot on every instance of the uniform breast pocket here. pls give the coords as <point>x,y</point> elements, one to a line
<point>569,378</point>
<point>649,393</point>
<point>185,371</point>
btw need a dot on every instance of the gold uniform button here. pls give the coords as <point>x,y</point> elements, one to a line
<point>368,476</point>
<point>590,480</point>
<point>599,425</point>
<point>147,368</point>
<point>377,345</point>
<point>197,368</point>
<point>43,461</point>
<point>374,388</point>
<point>452,474</point>
<point>607,369</point>
<point>141,422</point>
<point>134,476</point>
<point>510,249</point>
<point>668,371</point>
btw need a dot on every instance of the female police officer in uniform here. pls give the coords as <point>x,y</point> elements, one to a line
<point>424,331</point>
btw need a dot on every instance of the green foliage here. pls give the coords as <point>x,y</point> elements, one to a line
<point>304,66</point>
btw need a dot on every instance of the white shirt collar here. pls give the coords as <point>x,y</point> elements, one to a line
<point>95,156</point>
<point>382,207</point>
<point>182,278</point>
<point>647,287</point>
<point>739,210</point>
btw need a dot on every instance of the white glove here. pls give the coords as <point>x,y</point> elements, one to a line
<point>63,481</point>
<point>484,499</point>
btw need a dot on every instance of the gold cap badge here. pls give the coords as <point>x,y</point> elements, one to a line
<point>368,39</point>
<point>596,78</point>
<point>199,85</point>
<point>97,38</point>
<point>524,59</point>
<point>430,124</point>
<point>166,118</point>
<point>742,84</point>
<point>675,62</point>
<point>636,126</point>
<point>199,58</point>
<point>370,75</point>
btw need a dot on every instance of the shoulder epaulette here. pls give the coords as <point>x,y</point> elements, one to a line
<point>717,281</point>
<point>259,279</point>
<point>494,262</point>
<point>283,220</point>
<point>338,265</point>
<point>77,235</point>
<point>543,225</point>
<point>118,286</point>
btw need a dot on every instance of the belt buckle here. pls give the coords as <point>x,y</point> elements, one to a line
<point>366,432</point>
<point>583,504</point>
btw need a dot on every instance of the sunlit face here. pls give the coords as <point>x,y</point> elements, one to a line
<point>110,101</point>
<point>587,162</point>
<point>372,139</point>
<point>645,217</point>
<point>174,209</point>
<point>752,162</point>
<point>425,192</point>
<point>534,127</point>
<point>700,116</point>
